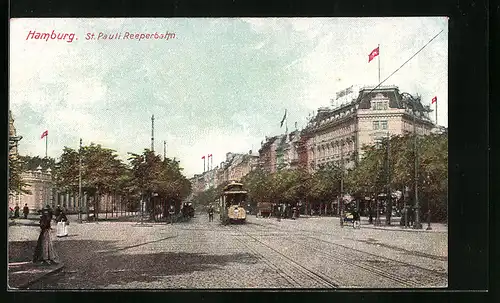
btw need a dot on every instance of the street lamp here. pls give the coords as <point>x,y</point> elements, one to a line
<point>413,103</point>
<point>405,199</point>
<point>80,184</point>
<point>428,207</point>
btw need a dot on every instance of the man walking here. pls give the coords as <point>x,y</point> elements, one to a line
<point>26,211</point>
<point>171,213</point>
<point>210,213</point>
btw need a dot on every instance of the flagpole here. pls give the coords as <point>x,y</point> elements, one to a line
<point>46,144</point>
<point>436,113</point>
<point>378,63</point>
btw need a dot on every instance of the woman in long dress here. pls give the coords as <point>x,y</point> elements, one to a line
<point>44,251</point>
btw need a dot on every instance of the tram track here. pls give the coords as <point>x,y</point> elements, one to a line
<point>386,267</point>
<point>291,275</point>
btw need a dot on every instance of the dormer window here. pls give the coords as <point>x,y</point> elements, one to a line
<point>380,105</point>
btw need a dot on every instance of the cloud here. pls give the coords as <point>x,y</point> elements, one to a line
<point>220,86</point>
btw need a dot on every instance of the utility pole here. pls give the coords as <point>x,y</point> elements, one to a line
<point>388,186</point>
<point>164,150</point>
<point>80,183</point>
<point>416,224</point>
<point>428,209</point>
<point>377,200</point>
<point>153,133</point>
<point>341,201</point>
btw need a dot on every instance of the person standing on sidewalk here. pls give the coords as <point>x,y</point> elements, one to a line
<point>210,213</point>
<point>26,211</point>
<point>57,213</point>
<point>16,211</point>
<point>44,251</point>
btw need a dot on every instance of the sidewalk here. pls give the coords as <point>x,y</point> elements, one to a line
<point>24,274</point>
<point>395,226</point>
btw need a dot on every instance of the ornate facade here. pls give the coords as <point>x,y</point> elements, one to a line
<point>337,136</point>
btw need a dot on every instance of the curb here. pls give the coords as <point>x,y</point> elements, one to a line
<point>404,229</point>
<point>29,283</point>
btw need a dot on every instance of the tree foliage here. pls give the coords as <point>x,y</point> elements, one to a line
<point>16,183</point>
<point>386,166</point>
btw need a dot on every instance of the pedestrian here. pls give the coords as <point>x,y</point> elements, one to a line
<point>26,211</point>
<point>57,213</point>
<point>210,213</point>
<point>44,250</point>
<point>16,211</point>
<point>62,223</point>
<point>370,217</point>
<point>49,211</point>
<point>171,214</point>
<point>411,216</point>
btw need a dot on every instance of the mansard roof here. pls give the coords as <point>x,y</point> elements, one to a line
<point>366,94</point>
<point>363,101</point>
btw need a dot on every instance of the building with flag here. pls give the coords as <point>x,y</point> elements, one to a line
<point>337,135</point>
<point>280,152</point>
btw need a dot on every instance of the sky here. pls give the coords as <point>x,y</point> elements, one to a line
<point>220,85</point>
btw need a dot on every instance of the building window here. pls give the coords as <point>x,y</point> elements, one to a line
<point>383,124</point>
<point>380,105</point>
<point>375,125</point>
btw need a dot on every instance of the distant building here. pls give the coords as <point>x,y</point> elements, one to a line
<point>337,135</point>
<point>235,167</point>
<point>267,154</point>
<point>41,187</point>
<point>13,137</point>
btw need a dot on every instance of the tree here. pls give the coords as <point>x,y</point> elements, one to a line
<point>370,176</point>
<point>16,183</point>
<point>257,184</point>
<point>152,175</point>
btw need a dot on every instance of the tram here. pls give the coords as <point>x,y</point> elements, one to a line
<point>232,203</point>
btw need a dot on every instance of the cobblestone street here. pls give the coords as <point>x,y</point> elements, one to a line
<point>263,253</point>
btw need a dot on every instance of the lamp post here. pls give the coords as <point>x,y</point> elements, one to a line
<point>80,183</point>
<point>428,207</point>
<point>377,201</point>
<point>412,102</point>
<point>341,201</point>
<point>416,224</point>
<point>405,199</point>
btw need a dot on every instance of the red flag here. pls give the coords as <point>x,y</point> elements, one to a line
<point>434,100</point>
<point>203,157</point>
<point>210,155</point>
<point>44,134</point>
<point>373,54</point>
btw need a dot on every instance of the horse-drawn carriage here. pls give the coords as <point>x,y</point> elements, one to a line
<point>352,217</point>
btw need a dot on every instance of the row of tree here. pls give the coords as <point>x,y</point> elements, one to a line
<point>145,175</point>
<point>384,168</point>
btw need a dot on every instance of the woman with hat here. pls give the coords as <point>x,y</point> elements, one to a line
<point>44,251</point>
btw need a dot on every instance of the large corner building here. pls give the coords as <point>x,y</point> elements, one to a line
<point>337,135</point>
